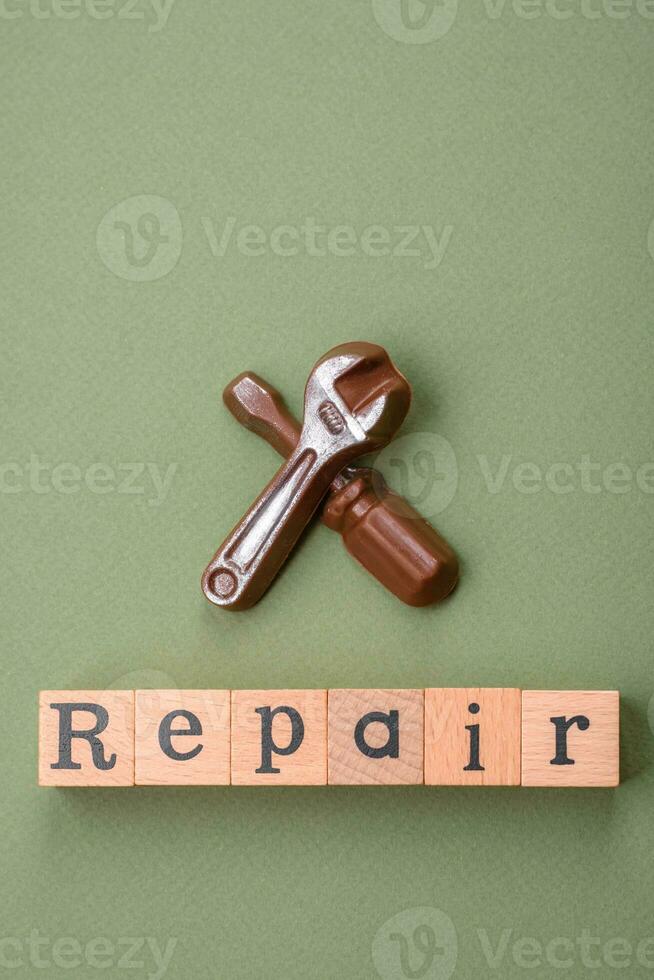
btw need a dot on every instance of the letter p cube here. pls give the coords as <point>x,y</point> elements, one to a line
<point>279,738</point>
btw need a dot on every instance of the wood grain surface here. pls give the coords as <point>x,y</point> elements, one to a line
<point>593,751</point>
<point>449,713</point>
<point>208,716</point>
<point>117,738</point>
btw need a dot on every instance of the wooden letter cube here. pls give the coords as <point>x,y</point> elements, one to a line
<point>570,738</point>
<point>279,738</point>
<point>182,738</point>
<point>86,738</point>
<point>375,737</point>
<point>472,736</point>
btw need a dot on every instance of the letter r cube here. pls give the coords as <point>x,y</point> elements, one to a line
<point>570,738</point>
<point>86,738</point>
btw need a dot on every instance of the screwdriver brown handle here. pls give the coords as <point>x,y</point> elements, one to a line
<point>379,528</point>
<point>392,540</point>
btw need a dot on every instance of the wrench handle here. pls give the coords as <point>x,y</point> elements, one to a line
<point>252,554</point>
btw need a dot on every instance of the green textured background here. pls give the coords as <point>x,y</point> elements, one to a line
<point>532,140</point>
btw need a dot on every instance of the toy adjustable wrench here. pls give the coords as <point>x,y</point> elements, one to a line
<point>354,402</point>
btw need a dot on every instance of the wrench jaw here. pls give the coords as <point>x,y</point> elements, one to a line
<point>355,396</point>
<point>382,417</point>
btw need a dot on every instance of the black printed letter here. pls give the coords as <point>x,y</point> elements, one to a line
<point>392,747</point>
<point>268,746</point>
<point>562,724</point>
<point>473,765</point>
<point>165,732</point>
<point>66,736</point>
